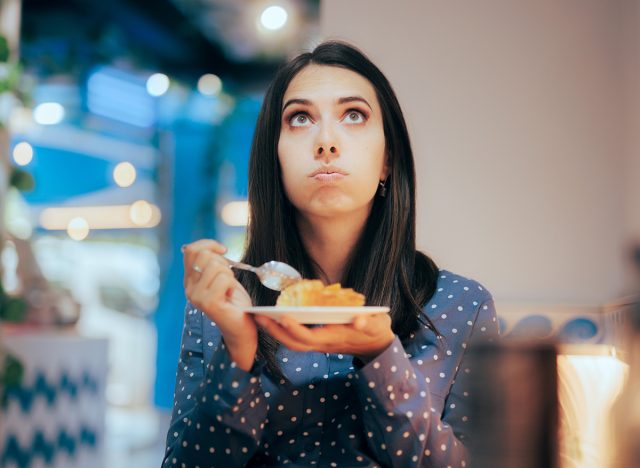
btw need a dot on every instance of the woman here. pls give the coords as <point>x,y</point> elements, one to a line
<point>331,192</point>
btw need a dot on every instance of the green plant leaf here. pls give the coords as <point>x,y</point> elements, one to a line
<point>4,49</point>
<point>13,370</point>
<point>13,309</point>
<point>22,180</point>
<point>11,374</point>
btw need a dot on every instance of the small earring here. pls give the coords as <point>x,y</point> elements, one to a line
<point>382,190</point>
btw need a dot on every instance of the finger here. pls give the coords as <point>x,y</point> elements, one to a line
<point>191,272</point>
<point>360,322</point>
<point>213,299</point>
<point>260,320</point>
<point>221,286</point>
<point>372,325</point>
<point>192,278</point>
<point>313,337</point>
<point>277,331</point>
<point>209,275</point>
<point>326,339</point>
<point>205,257</point>
<point>194,268</point>
<point>190,251</point>
<point>207,244</point>
<point>205,261</point>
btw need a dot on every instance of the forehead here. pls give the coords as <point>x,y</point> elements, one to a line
<point>325,81</point>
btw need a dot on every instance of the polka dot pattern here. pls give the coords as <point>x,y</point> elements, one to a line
<point>403,408</point>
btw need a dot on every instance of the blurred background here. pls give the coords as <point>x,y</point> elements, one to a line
<point>125,129</point>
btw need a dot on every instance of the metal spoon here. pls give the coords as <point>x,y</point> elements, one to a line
<point>274,275</point>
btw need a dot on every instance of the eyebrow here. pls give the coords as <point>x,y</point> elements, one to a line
<point>341,100</point>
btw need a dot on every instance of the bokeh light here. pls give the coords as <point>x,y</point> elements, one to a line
<point>141,213</point>
<point>78,229</point>
<point>274,17</point>
<point>210,84</point>
<point>124,174</point>
<point>23,153</point>
<point>236,213</point>
<point>48,113</point>
<point>157,84</point>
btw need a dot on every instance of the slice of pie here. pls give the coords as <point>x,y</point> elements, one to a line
<point>315,293</point>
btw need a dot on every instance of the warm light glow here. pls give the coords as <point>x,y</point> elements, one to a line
<point>124,174</point>
<point>209,84</point>
<point>101,217</point>
<point>17,215</point>
<point>78,229</point>
<point>588,385</point>
<point>274,17</point>
<point>22,153</point>
<point>157,84</point>
<point>21,120</point>
<point>48,113</point>
<point>236,213</point>
<point>19,227</point>
<point>141,213</point>
<point>9,277</point>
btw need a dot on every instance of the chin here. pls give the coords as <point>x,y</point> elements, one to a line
<point>337,208</point>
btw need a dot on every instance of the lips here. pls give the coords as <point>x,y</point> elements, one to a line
<point>332,177</point>
<point>328,171</point>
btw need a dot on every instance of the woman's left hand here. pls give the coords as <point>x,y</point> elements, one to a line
<point>366,337</point>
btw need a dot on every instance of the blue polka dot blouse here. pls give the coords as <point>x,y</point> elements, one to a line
<point>404,408</point>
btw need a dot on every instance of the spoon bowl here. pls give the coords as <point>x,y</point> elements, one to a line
<point>274,275</point>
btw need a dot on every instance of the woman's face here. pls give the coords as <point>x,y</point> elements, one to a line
<point>332,145</point>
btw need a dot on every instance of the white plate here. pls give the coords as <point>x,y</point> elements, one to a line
<point>317,315</point>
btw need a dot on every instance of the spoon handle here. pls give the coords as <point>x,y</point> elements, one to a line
<point>240,265</point>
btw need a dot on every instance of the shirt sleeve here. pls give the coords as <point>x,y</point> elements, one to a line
<point>401,416</point>
<point>219,409</point>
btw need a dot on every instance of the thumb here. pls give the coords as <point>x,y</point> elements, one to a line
<point>360,323</point>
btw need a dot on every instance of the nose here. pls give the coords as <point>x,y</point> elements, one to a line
<point>327,147</point>
<point>327,152</point>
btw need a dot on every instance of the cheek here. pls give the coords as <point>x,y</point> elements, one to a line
<point>375,153</point>
<point>292,169</point>
<point>365,183</point>
<point>290,149</point>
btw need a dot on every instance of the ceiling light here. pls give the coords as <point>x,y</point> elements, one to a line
<point>124,174</point>
<point>141,213</point>
<point>236,213</point>
<point>132,216</point>
<point>78,229</point>
<point>209,84</point>
<point>158,84</point>
<point>48,113</point>
<point>274,17</point>
<point>22,153</point>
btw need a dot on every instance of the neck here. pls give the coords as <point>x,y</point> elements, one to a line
<point>330,241</point>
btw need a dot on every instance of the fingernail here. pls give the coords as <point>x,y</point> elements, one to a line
<point>183,248</point>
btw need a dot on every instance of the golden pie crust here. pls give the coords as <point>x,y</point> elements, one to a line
<point>315,293</point>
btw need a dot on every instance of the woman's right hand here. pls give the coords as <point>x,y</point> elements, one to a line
<point>211,286</point>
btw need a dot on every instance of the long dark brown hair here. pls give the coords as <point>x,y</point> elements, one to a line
<point>385,266</point>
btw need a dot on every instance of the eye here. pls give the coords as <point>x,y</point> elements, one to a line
<point>299,120</point>
<point>354,117</point>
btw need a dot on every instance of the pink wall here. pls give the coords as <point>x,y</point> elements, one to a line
<point>519,119</point>
<point>632,103</point>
